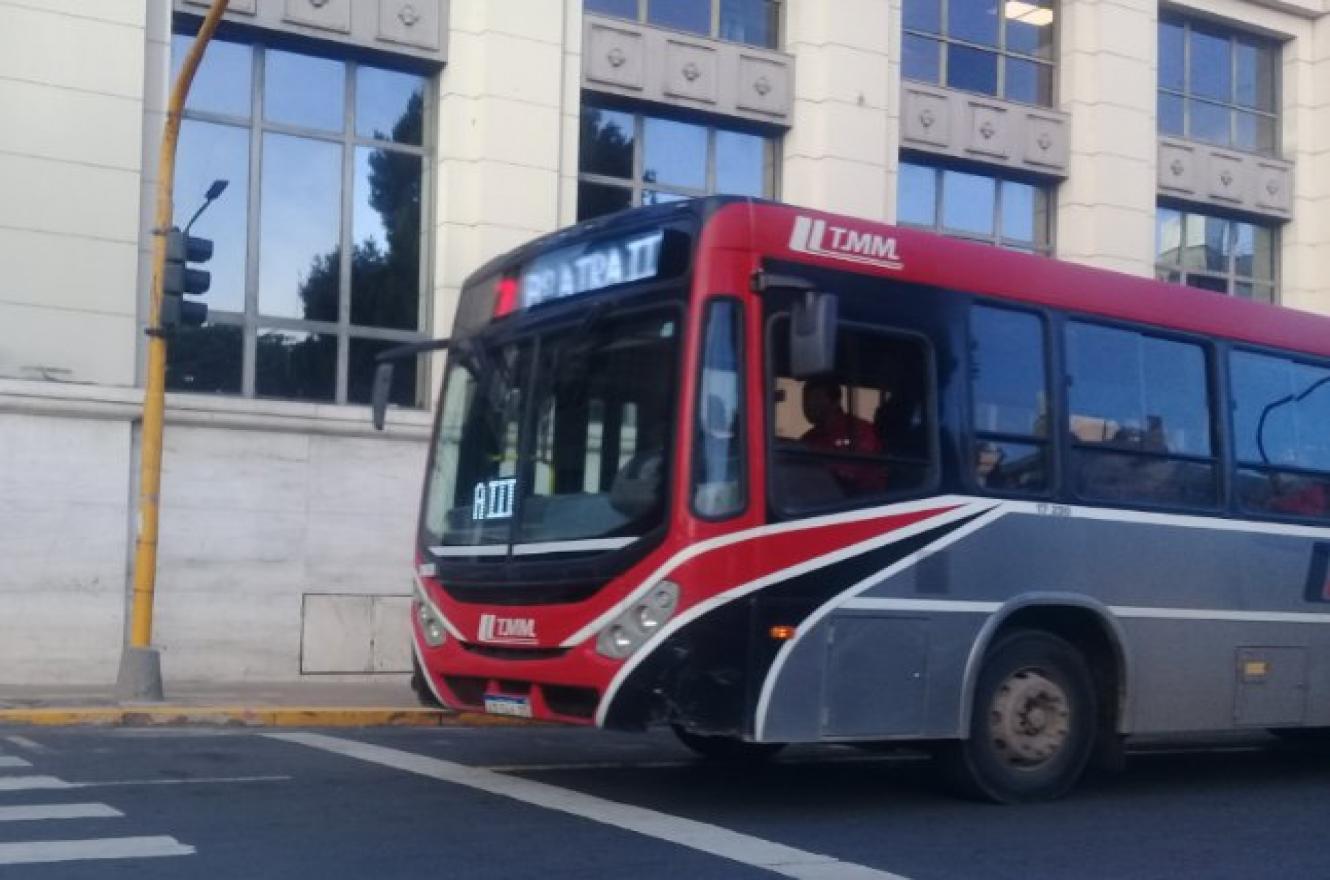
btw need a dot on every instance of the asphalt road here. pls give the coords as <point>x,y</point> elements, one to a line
<point>554,803</point>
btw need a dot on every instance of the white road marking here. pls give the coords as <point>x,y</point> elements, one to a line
<point>743,848</point>
<point>215,780</point>
<point>24,743</point>
<point>96,848</point>
<point>39,812</point>
<point>821,760</point>
<point>11,761</point>
<point>30,783</point>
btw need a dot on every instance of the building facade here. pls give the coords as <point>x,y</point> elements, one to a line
<point>377,151</point>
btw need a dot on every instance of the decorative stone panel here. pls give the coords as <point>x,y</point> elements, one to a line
<point>414,28</point>
<point>690,71</point>
<point>615,57</point>
<point>962,125</point>
<point>410,23</point>
<point>653,64</point>
<point>988,130</point>
<point>764,86</point>
<point>328,15</point>
<point>1212,175</point>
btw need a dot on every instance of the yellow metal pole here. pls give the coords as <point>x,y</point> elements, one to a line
<point>154,398</point>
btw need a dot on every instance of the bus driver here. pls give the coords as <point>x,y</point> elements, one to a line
<point>836,431</point>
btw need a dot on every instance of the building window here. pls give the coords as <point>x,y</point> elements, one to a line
<point>1216,253</point>
<point>980,207</point>
<point>755,22</point>
<point>634,159</point>
<point>1217,85</point>
<point>319,246</point>
<point>970,45</point>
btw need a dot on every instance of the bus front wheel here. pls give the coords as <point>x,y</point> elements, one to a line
<point>1033,725</point>
<point>725,748</point>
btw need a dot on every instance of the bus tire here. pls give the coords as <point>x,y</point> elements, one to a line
<point>424,695</point>
<point>1033,727</point>
<point>726,748</point>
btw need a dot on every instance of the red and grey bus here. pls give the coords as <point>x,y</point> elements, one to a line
<point>769,475</point>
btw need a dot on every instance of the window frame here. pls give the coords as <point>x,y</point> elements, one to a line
<point>1230,275</point>
<point>251,320</point>
<point>971,435</point>
<point>944,38</point>
<point>1220,456</point>
<point>1231,34</point>
<point>1044,244</point>
<point>742,427</point>
<point>637,185</point>
<point>713,32</point>
<point>778,513</point>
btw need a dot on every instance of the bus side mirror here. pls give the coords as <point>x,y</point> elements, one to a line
<point>813,335</point>
<point>383,383</point>
<point>383,373</point>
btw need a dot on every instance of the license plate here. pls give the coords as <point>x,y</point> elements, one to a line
<point>517,707</point>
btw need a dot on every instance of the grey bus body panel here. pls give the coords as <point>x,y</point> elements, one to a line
<point>1212,622</point>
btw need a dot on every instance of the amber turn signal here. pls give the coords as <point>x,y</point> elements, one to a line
<point>781,633</point>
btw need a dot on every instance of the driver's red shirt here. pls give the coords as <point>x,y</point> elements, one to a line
<point>842,432</point>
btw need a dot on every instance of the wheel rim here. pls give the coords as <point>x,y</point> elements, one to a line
<point>1030,719</point>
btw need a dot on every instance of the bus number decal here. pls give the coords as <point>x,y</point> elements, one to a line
<point>1043,508</point>
<point>494,499</point>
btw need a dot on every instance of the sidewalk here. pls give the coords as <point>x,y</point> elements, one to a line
<point>389,702</point>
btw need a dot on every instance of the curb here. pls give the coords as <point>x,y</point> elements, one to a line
<point>250,716</point>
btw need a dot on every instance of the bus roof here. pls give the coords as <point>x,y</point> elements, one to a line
<point>786,232</point>
<point>800,235</point>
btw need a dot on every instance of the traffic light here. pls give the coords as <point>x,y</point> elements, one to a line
<point>179,280</point>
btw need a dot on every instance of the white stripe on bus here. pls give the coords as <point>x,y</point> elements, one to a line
<point>783,656</point>
<point>692,551</point>
<point>741,590</point>
<point>572,546</point>
<point>960,606</point>
<point>470,550</point>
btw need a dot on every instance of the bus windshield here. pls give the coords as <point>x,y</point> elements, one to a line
<point>555,442</point>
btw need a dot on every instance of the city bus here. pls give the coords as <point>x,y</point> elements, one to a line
<point>768,475</point>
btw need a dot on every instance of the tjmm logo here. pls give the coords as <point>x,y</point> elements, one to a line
<point>818,237</point>
<point>521,630</point>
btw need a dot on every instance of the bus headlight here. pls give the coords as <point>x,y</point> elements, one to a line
<point>431,625</point>
<point>627,632</point>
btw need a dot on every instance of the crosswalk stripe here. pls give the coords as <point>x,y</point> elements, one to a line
<point>95,848</point>
<point>28,783</point>
<point>37,812</point>
<point>11,761</point>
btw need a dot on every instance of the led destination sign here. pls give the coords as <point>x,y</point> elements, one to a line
<point>582,269</point>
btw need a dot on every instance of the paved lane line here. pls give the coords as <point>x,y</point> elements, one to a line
<point>755,851</point>
<point>28,783</point>
<point>24,743</point>
<point>40,812</point>
<point>11,761</point>
<point>96,848</point>
<point>202,780</point>
<point>820,761</point>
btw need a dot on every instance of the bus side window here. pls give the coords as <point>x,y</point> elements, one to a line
<point>1008,380</point>
<point>1139,418</point>
<point>1281,410</point>
<point>856,436</point>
